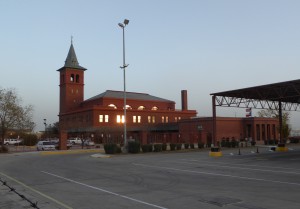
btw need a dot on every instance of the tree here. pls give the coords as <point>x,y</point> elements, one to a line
<point>14,116</point>
<point>275,114</point>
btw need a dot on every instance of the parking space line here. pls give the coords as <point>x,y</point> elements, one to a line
<point>217,174</point>
<point>245,165</point>
<point>36,191</point>
<point>103,190</point>
<point>241,168</point>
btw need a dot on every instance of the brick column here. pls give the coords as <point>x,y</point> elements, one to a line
<point>63,137</point>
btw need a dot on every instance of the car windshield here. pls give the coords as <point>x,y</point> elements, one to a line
<point>47,143</point>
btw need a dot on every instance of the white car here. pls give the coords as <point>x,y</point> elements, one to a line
<point>45,145</point>
<point>12,141</point>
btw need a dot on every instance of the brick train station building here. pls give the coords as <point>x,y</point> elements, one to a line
<point>149,119</point>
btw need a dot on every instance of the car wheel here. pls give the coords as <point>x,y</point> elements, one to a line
<point>6,144</point>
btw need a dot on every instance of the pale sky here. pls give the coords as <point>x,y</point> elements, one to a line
<point>203,46</point>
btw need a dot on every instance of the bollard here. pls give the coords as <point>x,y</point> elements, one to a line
<point>257,150</point>
<point>239,151</point>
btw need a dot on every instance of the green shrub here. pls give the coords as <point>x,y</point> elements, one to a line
<point>223,143</point>
<point>3,149</point>
<point>172,147</point>
<point>111,148</point>
<point>164,147</point>
<point>147,147</point>
<point>200,145</point>
<point>178,146</point>
<point>134,147</point>
<point>234,143</point>
<point>192,146</point>
<point>186,146</point>
<point>157,147</point>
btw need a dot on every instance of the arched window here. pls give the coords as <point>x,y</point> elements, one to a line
<point>141,108</point>
<point>154,108</point>
<point>72,78</point>
<point>77,78</point>
<point>112,106</point>
<point>128,107</point>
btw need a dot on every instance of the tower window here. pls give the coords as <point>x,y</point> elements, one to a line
<point>72,78</point>
<point>77,78</point>
<point>62,78</point>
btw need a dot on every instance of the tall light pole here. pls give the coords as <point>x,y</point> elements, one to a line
<point>123,25</point>
<point>45,123</point>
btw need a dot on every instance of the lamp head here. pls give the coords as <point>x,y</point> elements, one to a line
<point>126,22</point>
<point>121,25</point>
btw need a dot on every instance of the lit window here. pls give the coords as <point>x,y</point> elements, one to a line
<point>167,119</point>
<point>120,119</point>
<point>149,119</point>
<point>179,118</point>
<point>101,118</point>
<point>153,119</point>
<point>139,119</point>
<point>106,118</point>
<point>134,119</point>
<point>154,108</point>
<point>162,119</point>
<point>128,107</point>
<point>175,119</point>
<point>113,106</point>
<point>141,108</point>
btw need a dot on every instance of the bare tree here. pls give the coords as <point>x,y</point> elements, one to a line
<point>14,116</point>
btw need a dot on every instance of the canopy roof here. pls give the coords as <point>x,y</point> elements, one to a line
<point>261,97</point>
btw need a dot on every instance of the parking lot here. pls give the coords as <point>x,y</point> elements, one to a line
<point>183,179</point>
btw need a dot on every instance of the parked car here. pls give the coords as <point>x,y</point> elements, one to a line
<point>56,144</point>
<point>45,145</point>
<point>12,141</point>
<point>75,140</point>
<point>89,143</point>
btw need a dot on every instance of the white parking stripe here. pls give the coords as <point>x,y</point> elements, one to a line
<point>36,191</point>
<point>103,190</point>
<point>216,174</point>
<point>245,165</point>
<point>241,168</point>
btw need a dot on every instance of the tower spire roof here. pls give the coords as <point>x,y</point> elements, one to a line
<point>71,60</point>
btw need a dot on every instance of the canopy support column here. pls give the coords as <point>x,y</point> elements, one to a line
<point>214,127</point>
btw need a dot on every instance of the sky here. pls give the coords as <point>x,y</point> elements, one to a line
<point>202,46</point>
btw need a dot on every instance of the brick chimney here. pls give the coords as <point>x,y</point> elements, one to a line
<point>184,103</point>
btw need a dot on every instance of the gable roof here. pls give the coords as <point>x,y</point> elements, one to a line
<point>129,95</point>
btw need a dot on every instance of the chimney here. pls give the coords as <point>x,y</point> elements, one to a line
<point>184,104</point>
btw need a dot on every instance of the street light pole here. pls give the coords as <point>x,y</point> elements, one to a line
<point>45,123</point>
<point>123,25</point>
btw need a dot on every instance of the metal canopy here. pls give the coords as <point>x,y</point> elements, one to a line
<point>263,97</point>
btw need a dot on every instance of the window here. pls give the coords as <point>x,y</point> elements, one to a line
<point>141,108</point>
<point>101,118</point>
<point>153,119</point>
<point>77,78</point>
<point>128,107</point>
<point>149,119</point>
<point>175,119</point>
<point>62,78</point>
<point>162,119</point>
<point>72,78</point>
<point>106,118</point>
<point>134,119</point>
<point>154,108</point>
<point>120,119</point>
<point>112,106</point>
<point>139,119</point>
<point>179,118</point>
<point>167,119</point>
